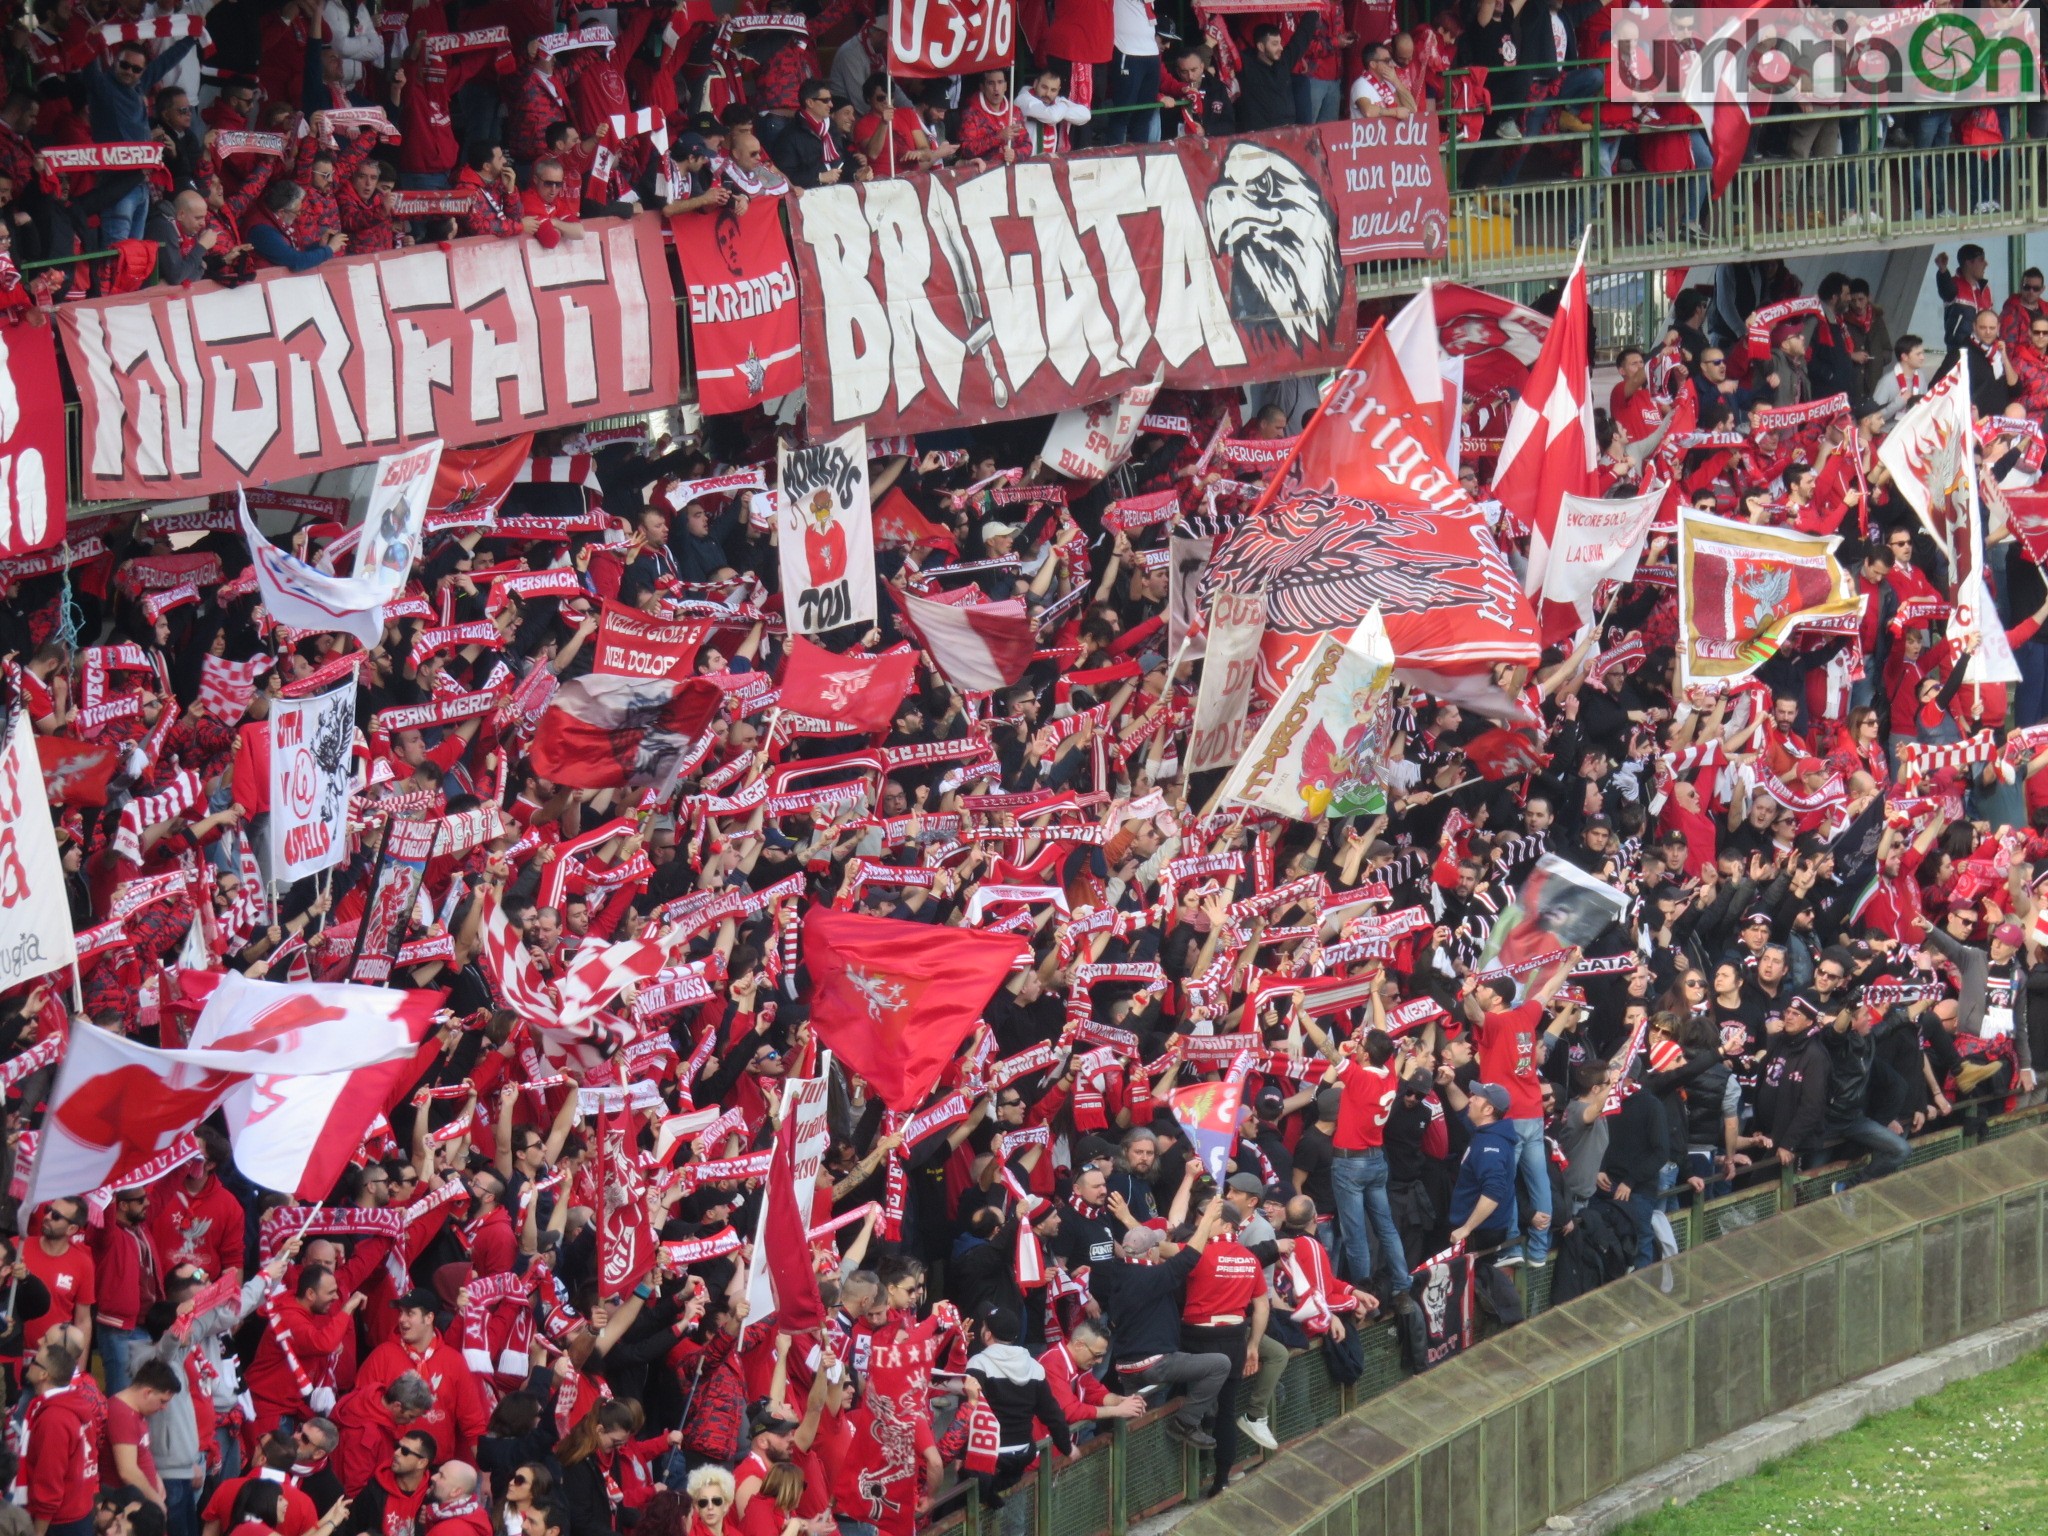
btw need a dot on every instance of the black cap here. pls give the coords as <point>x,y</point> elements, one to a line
<point>420,1301</point>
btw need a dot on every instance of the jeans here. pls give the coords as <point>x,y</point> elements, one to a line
<point>124,221</point>
<point>1323,101</point>
<point>1133,81</point>
<point>2031,702</point>
<point>1360,1183</point>
<point>1201,1375</point>
<point>181,1507</point>
<point>1641,1205</point>
<point>1535,1177</point>
<point>422,181</point>
<point>1887,1148</point>
<point>115,1345</point>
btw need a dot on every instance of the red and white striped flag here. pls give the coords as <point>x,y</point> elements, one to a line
<point>980,649</point>
<point>157,29</point>
<point>138,816</point>
<point>225,687</point>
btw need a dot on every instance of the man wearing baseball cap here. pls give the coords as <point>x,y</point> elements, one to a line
<point>1507,1057</point>
<point>1483,1200</point>
<point>1792,1095</point>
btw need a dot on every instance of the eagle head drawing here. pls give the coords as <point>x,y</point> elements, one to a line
<point>1273,221</point>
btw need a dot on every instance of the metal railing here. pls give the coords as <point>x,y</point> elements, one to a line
<point>1137,1469</point>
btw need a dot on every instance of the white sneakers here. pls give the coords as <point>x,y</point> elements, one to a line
<point>1255,1430</point>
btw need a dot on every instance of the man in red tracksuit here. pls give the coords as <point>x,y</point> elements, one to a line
<point>315,1322</point>
<point>193,1219</point>
<point>1070,1373</point>
<point>458,1415</point>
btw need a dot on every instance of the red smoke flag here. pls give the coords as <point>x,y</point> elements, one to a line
<point>621,732</point>
<point>1548,453</point>
<point>857,691</point>
<point>783,1282</point>
<point>893,1000</point>
<point>625,1237</point>
<point>980,649</point>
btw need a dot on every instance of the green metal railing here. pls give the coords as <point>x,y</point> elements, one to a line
<point>1137,1469</point>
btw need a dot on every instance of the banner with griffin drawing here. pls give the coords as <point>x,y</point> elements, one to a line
<point>1742,589</point>
<point>1320,749</point>
<point>957,298</point>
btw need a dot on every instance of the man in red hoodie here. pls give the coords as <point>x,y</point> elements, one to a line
<point>61,1465</point>
<point>194,1219</point>
<point>312,1323</point>
<point>370,1424</point>
<point>456,1510</point>
<point>390,1503</point>
<point>458,1416</point>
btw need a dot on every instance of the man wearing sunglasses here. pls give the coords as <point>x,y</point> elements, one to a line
<point>116,95</point>
<point>65,1267</point>
<point>390,1502</point>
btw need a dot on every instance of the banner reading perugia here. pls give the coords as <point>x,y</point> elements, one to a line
<point>741,293</point>
<point>960,298</point>
<point>191,390</point>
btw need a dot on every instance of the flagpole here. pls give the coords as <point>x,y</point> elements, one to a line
<point>363,927</point>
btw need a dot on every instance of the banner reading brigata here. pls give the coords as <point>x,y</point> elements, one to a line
<point>1387,180</point>
<point>958,298</point>
<point>190,390</point>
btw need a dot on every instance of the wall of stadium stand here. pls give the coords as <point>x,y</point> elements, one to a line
<point>1780,1291</point>
<point>1517,239</point>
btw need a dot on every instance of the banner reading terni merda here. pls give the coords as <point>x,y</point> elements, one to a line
<point>187,391</point>
<point>961,297</point>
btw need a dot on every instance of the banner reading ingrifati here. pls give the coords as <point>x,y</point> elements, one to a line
<point>311,762</point>
<point>959,298</point>
<point>35,915</point>
<point>739,287</point>
<point>191,390</point>
<point>827,534</point>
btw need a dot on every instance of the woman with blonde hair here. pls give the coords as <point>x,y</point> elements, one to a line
<point>711,1494</point>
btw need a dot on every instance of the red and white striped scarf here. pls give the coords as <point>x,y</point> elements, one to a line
<point>137,816</point>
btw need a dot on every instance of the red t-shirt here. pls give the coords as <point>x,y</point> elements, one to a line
<point>1635,414</point>
<point>1507,1055</point>
<point>1363,1107</point>
<point>1223,1283</point>
<point>69,1275</point>
<point>124,1426</point>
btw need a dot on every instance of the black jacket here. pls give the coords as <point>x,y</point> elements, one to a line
<point>1265,94</point>
<point>1016,1391</point>
<point>1142,1303</point>
<point>1850,1053</point>
<point>800,153</point>
<point>1637,1143</point>
<point>1793,1101</point>
<point>173,265</point>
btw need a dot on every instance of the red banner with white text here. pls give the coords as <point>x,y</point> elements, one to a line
<point>959,298</point>
<point>931,39</point>
<point>739,288</point>
<point>31,440</point>
<point>192,390</point>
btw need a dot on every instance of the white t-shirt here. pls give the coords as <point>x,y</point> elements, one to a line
<point>1373,86</point>
<point>1137,29</point>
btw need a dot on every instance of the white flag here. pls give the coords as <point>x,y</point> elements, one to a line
<point>1321,748</point>
<point>1086,443</point>
<point>35,914</point>
<point>312,760</point>
<point>299,597</point>
<point>826,531</point>
<point>1597,539</point>
<point>1237,623</point>
<point>393,517</point>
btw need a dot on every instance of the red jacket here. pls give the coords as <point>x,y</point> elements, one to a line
<point>458,1415</point>
<point>1077,1392</point>
<point>62,1464</point>
<point>205,1228</point>
<point>467,1517</point>
<point>368,1434</point>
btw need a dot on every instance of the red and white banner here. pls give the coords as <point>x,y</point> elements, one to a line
<point>31,441</point>
<point>1387,179</point>
<point>629,643</point>
<point>312,763</point>
<point>1742,589</point>
<point>622,732</point>
<point>1596,539</point>
<point>1237,625</point>
<point>225,687</point>
<point>101,157</point>
<point>826,534</point>
<point>739,285</point>
<point>782,1282</point>
<point>980,649</point>
<point>931,39</point>
<point>35,914</point>
<point>1086,443</point>
<point>958,298</point>
<point>190,390</point>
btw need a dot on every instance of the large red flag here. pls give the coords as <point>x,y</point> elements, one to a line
<point>893,1000</point>
<point>625,1237</point>
<point>621,732</point>
<point>740,287</point>
<point>474,482</point>
<point>857,691</point>
<point>1548,453</point>
<point>783,1282</point>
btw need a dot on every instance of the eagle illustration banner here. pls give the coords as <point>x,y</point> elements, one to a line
<point>1742,589</point>
<point>1932,457</point>
<point>190,390</point>
<point>739,289</point>
<point>1451,604</point>
<point>965,297</point>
